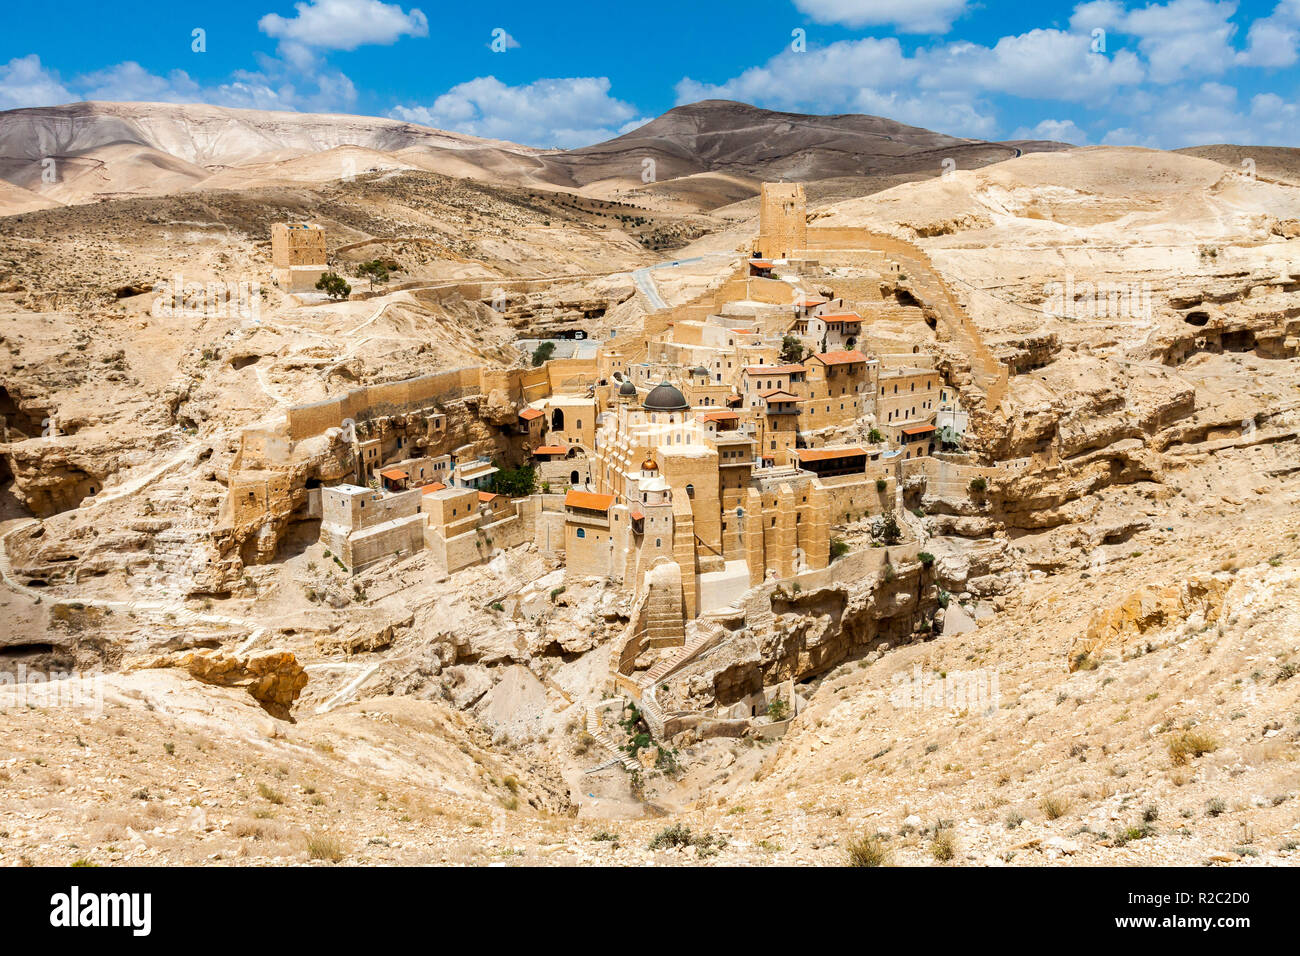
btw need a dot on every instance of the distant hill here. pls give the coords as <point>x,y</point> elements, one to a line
<point>706,155</point>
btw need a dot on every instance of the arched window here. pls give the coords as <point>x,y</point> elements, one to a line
<point>573,477</point>
<point>690,491</point>
<point>582,532</point>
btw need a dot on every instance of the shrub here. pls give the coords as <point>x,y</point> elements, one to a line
<point>542,354</point>
<point>944,845</point>
<point>881,484</point>
<point>979,485</point>
<point>1190,744</point>
<point>839,548</point>
<point>334,286</point>
<point>868,851</point>
<point>322,846</point>
<point>777,710</point>
<point>271,796</point>
<point>1054,807</point>
<point>926,559</point>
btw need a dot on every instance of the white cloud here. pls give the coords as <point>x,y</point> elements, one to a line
<point>344,24</point>
<point>941,87</point>
<point>566,112</point>
<point>1179,39</point>
<point>912,16</point>
<point>1040,64</point>
<point>1274,41</point>
<point>1212,113</point>
<point>1062,131</point>
<point>25,82</point>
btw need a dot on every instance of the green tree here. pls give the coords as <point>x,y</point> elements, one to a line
<point>514,482</point>
<point>542,354</point>
<point>791,350</point>
<point>887,528</point>
<point>334,286</point>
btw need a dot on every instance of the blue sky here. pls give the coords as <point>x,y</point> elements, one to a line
<point>1167,74</point>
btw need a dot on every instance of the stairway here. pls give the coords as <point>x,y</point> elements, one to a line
<point>591,724</point>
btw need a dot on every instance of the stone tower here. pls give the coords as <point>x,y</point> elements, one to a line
<point>298,255</point>
<point>782,220</point>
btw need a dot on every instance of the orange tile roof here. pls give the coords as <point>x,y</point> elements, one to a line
<point>841,358</point>
<point>394,474</point>
<point>637,515</point>
<point>485,496</point>
<point>774,369</point>
<point>828,454</point>
<point>761,263</point>
<point>550,450</point>
<point>588,500</point>
<point>842,316</point>
<point>778,391</point>
<point>810,300</point>
<point>718,416</point>
<point>528,414</point>
<point>918,429</point>
<point>430,489</point>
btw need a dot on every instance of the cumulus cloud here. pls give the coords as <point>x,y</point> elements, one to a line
<point>566,112</point>
<point>344,24</point>
<point>1061,131</point>
<point>914,16</point>
<point>1179,39</point>
<point>25,82</point>
<point>1274,41</point>
<point>1212,113</point>
<point>942,87</point>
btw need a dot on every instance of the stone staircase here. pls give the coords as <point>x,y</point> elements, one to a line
<point>592,725</point>
<point>709,633</point>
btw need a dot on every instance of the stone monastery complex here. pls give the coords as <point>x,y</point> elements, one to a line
<point>697,465</point>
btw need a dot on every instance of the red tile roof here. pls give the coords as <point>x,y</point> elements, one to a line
<point>485,496</point>
<point>550,450</point>
<point>774,369</point>
<point>528,414</point>
<point>394,474</point>
<point>430,489</point>
<point>588,500</point>
<point>918,430</point>
<point>718,416</point>
<point>841,316</point>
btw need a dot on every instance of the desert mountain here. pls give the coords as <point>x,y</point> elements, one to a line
<point>706,155</point>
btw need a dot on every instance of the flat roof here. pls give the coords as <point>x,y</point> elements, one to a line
<point>829,454</point>
<point>841,358</point>
<point>588,500</point>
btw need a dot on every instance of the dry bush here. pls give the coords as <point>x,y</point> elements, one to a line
<point>868,851</point>
<point>1190,744</point>
<point>323,846</point>
<point>1054,807</point>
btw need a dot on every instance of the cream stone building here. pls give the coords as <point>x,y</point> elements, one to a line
<point>298,257</point>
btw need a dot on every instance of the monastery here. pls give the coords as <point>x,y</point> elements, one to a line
<point>712,455</point>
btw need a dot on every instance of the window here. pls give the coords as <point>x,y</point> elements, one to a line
<point>582,532</point>
<point>690,491</point>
